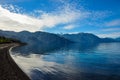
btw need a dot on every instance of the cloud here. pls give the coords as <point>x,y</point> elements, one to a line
<point>111,29</point>
<point>36,62</point>
<point>113,34</point>
<point>12,1</point>
<point>69,27</point>
<point>19,22</point>
<point>13,19</point>
<point>12,8</point>
<point>113,23</point>
<point>96,18</point>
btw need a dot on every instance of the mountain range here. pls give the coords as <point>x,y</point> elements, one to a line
<point>88,38</point>
<point>58,39</point>
<point>48,41</point>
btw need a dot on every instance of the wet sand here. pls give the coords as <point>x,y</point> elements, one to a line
<point>9,70</point>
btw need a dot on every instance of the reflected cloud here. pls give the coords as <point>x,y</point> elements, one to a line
<point>72,63</point>
<point>33,62</point>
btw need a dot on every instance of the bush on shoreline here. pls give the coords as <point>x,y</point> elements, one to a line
<point>7,40</point>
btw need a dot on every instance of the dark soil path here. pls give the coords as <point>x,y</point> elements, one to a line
<point>9,70</point>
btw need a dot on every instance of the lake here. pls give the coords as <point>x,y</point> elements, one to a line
<point>73,62</point>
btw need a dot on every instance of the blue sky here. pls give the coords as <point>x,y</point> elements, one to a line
<point>100,17</point>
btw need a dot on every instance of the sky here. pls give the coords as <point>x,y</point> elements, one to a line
<point>100,17</point>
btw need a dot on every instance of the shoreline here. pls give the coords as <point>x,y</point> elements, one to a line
<point>9,70</point>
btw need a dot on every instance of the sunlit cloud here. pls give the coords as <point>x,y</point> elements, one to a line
<point>69,27</point>
<point>18,22</point>
<point>13,19</point>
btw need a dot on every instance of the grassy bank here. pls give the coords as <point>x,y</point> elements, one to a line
<point>7,40</point>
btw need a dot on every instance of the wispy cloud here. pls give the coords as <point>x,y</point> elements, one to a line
<point>113,34</point>
<point>13,1</point>
<point>18,22</point>
<point>111,29</point>
<point>12,8</point>
<point>13,19</point>
<point>113,23</point>
<point>96,18</point>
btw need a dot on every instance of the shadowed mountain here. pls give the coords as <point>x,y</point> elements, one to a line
<point>87,38</point>
<point>83,38</point>
<point>35,38</point>
<point>41,42</point>
<point>108,40</point>
<point>118,39</point>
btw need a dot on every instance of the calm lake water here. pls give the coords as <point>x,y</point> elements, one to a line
<point>75,62</point>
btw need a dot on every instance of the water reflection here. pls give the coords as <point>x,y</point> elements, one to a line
<point>74,62</point>
<point>40,49</point>
<point>34,64</point>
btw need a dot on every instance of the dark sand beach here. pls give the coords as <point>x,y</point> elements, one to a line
<point>9,70</point>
